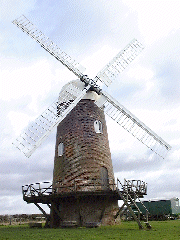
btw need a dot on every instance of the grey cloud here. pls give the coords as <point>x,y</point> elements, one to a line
<point>121,162</point>
<point>167,185</point>
<point>168,76</point>
<point>80,31</point>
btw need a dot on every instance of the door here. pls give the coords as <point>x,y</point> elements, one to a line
<point>104,178</point>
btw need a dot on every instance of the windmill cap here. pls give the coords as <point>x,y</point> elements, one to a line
<point>79,85</point>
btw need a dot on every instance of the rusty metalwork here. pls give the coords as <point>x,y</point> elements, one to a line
<point>49,193</point>
<point>93,185</point>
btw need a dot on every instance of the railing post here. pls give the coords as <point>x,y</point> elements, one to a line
<point>39,188</point>
<point>30,190</point>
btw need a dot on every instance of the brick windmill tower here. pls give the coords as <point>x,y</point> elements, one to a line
<point>83,189</point>
<point>83,161</point>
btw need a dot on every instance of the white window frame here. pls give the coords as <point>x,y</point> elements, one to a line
<point>60,149</point>
<point>98,126</point>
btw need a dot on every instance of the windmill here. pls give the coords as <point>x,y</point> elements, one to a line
<point>82,161</point>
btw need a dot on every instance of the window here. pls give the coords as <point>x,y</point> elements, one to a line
<point>98,126</point>
<point>60,149</point>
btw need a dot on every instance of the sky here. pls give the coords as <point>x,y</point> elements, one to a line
<point>91,32</point>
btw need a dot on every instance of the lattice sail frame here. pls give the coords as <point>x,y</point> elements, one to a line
<point>106,75</point>
<point>132,124</point>
<point>29,28</point>
<point>32,136</point>
<point>119,62</point>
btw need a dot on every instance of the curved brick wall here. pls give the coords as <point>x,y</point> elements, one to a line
<point>85,151</point>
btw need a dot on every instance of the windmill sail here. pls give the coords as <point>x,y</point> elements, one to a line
<point>29,28</point>
<point>39,130</point>
<point>44,124</point>
<point>132,124</point>
<point>119,62</point>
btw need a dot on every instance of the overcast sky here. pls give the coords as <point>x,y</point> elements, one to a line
<point>91,32</point>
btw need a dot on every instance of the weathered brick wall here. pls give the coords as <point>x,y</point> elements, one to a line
<point>85,210</point>
<point>85,151</point>
<point>86,154</point>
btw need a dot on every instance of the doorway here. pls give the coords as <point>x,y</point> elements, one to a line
<point>104,178</point>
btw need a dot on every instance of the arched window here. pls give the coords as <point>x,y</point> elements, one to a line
<point>60,149</point>
<point>98,126</point>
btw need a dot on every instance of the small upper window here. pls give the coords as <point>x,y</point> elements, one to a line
<point>60,149</point>
<point>98,126</point>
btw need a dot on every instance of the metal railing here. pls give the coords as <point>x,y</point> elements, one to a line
<point>78,185</point>
<point>136,186</point>
<point>82,185</point>
<point>37,189</point>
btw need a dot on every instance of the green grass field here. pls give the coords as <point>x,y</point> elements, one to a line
<point>126,230</point>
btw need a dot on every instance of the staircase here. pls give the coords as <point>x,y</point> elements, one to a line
<point>130,192</point>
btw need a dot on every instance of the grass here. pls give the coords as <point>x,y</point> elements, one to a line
<point>165,230</point>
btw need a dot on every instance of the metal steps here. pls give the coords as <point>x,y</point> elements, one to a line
<point>129,194</point>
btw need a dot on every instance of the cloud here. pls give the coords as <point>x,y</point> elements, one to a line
<point>25,79</point>
<point>15,204</point>
<point>91,32</point>
<point>156,19</point>
<point>13,8</point>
